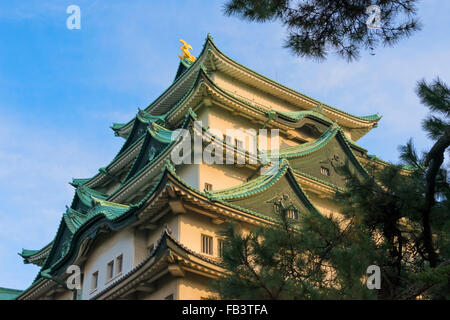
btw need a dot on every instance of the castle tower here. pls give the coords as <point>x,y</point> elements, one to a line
<point>147,225</point>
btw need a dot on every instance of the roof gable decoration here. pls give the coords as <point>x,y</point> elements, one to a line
<point>335,153</point>
<point>265,192</point>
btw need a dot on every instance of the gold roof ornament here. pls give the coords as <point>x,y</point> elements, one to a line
<point>185,50</point>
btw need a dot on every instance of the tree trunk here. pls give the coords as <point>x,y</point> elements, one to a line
<point>434,160</point>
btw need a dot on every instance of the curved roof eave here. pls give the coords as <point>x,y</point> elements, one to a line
<point>313,146</point>
<point>313,102</point>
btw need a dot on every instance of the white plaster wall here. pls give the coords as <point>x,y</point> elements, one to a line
<point>222,120</point>
<point>252,94</point>
<point>108,249</point>
<point>192,226</point>
<point>222,176</point>
<point>165,288</point>
<point>194,287</point>
<point>154,235</point>
<point>190,174</point>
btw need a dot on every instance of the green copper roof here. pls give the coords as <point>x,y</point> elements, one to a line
<point>143,116</point>
<point>118,126</point>
<point>335,152</point>
<point>258,195</point>
<point>75,219</point>
<point>372,117</point>
<point>9,294</point>
<point>84,194</point>
<point>74,222</point>
<point>366,118</point>
<point>297,115</point>
<point>27,253</point>
<point>308,147</point>
<point>79,181</point>
<point>144,160</point>
<point>254,186</point>
<point>36,257</point>
<point>160,133</point>
<point>146,117</point>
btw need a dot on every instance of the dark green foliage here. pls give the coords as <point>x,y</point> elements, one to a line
<point>316,27</point>
<point>312,258</point>
<point>411,210</point>
<point>398,220</point>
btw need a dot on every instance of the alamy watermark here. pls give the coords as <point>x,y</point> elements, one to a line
<point>73,282</point>
<point>374,279</point>
<point>232,146</point>
<point>374,19</point>
<point>74,20</point>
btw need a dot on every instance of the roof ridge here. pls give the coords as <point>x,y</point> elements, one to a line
<point>254,186</point>
<point>310,146</point>
<point>368,118</point>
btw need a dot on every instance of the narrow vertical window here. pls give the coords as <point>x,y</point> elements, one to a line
<point>227,139</point>
<point>325,171</point>
<point>207,244</point>
<point>208,186</point>
<point>220,243</point>
<point>110,270</point>
<point>119,262</point>
<point>94,281</point>
<point>292,213</point>
<point>239,144</point>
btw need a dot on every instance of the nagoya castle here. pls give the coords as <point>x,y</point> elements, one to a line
<point>148,225</point>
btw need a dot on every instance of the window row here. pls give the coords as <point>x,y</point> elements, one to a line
<point>113,269</point>
<point>207,245</point>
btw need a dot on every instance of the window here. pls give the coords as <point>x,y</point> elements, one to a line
<point>227,139</point>
<point>239,144</point>
<point>208,186</point>
<point>220,243</point>
<point>292,213</point>
<point>110,270</point>
<point>169,297</point>
<point>207,242</point>
<point>119,262</point>
<point>325,171</point>
<point>94,281</point>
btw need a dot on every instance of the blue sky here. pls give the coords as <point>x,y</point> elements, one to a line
<point>61,89</point>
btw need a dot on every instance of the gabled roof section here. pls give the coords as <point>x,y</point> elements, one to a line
<point>36,257</point>
<point>140,124</point>
<point>125,129</point>
<point>205,86</point>
<point>261,194</point>
<point>157,146</point>
<point>156,140</point>
<point>335,152</point>
<point>167,247</point>
<point>220,61</point>
<point>128,151</point>
<point>295,116</point>
<point>82,200</point>
<point>73,223</point>
<point>187,75</point>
